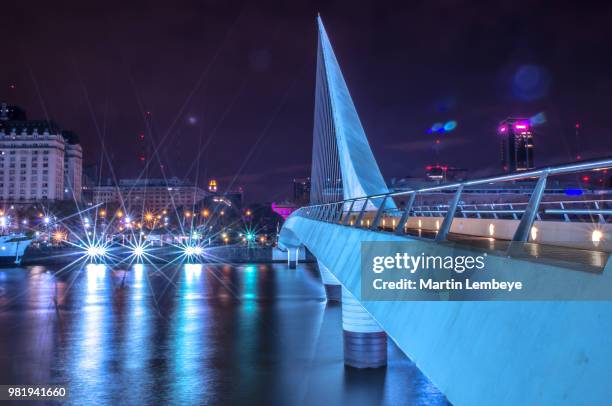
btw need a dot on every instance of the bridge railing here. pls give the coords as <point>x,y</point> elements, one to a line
<point>563,210</point>
<point>398,212</point>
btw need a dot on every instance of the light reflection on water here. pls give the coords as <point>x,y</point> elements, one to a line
<point>193,334</point>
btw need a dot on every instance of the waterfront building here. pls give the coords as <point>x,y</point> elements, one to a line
<point>38,161</point>
<point>516,144</point>
<point>152,195</point>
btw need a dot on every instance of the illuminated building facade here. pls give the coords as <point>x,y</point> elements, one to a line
<point>284,209</point>
<point>516,144</point>
<point>212,186</point>
<point>73,167</point>
<point>38,161</point>
<point>152,195</point>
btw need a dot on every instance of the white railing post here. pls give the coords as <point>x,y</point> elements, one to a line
<point>524,228</point>
<point>348,214</point>
<point>400,226</point>
<point>450,215</point>
<point>379,214</point>
<point>362,212</point>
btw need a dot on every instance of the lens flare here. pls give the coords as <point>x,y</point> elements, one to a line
<point>193,251</point>
<point>450,125</point>
<point>138,251</point>
<point>94,251</point>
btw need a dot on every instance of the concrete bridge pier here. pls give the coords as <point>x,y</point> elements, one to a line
<point>333,288</point>
<point>293,255</point>
<point>365,342</point>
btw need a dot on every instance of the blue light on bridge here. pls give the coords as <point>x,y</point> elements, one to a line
<point>573,192</point>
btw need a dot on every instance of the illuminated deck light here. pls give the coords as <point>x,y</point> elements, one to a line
<point>534,233</point>
<point>596,236</point>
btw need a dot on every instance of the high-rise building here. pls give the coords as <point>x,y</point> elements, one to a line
<point>301,190</point>
<point>38,161</point>
<point>516,144</point>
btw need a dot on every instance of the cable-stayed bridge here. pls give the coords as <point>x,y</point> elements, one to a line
<point>539,350</point>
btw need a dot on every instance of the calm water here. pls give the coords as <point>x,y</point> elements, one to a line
<point>189,335</point>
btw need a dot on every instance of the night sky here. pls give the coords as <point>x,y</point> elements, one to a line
<point>230,85</point>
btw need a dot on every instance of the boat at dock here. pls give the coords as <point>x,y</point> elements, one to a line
<point>12,248</point>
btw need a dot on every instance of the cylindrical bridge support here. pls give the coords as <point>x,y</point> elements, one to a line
<point>293,255</point>
<point>333,289</point>
<point>365,343</point>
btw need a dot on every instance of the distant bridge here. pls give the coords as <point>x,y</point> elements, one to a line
<point>507,353</point>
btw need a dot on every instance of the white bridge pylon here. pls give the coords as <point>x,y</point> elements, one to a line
<point>343,165</point>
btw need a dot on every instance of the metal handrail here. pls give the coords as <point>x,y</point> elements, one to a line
<point>529,214</point>
<point>490,209</point>
<point>522,203</point>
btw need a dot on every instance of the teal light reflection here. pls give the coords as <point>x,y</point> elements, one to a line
<point>190,329</point>
<point>249,288</point>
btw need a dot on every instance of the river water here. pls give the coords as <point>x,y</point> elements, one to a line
<point>188,335</point>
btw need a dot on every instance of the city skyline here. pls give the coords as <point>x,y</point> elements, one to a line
<point>199,80</point>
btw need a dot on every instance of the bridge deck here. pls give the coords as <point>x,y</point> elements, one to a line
<point>477,352</point>
<point>572,258</point>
